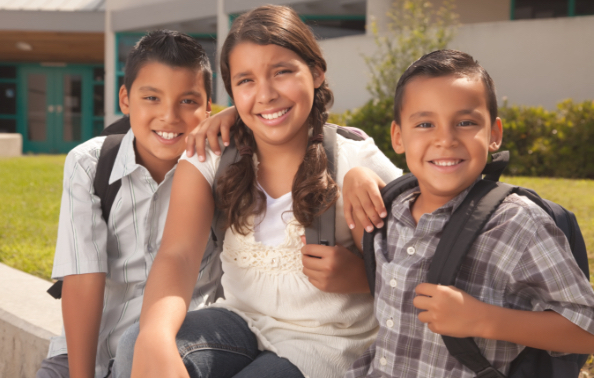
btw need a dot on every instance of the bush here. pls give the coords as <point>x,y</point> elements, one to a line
<point>558,143</point>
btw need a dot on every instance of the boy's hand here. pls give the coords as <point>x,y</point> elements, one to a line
<point>450,311</point>
<point>361,196</point>
<point>334,269</point>
<point>210,129</point>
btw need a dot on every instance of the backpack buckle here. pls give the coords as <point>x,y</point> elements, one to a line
<point>490,372</point>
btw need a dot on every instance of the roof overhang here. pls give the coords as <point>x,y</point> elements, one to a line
<point>59,21</point>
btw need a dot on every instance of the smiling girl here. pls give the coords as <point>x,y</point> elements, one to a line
<point>273,322</point>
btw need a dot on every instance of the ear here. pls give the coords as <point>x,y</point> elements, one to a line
<point>396,133</point>
<point>124,100</point>
<point>318,76</point>
<point>208,107</point>
<point>496,135</point>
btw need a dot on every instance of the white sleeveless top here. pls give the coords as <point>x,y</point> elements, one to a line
<point>320,333</point>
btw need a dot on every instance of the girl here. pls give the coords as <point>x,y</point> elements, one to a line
<point>273,322</point>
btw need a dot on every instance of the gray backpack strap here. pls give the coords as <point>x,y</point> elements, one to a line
<point>230,156</point>
<point>321,230</point>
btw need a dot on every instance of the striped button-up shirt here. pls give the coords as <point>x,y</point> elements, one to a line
<point>124,248</point>
<point>521,260</point>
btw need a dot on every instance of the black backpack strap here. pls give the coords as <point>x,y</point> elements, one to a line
<point>105,192</point>
<point>494,169</point>
<point>121,126</point>
<point>389,193</point>
<point>457,238</point>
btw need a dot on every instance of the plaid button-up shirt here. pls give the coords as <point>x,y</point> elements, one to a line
<point>521,260</point>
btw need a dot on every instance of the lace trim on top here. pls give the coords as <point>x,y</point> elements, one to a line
<point>246,252</point>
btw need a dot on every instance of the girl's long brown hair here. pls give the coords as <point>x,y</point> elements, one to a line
<point>313,189</point>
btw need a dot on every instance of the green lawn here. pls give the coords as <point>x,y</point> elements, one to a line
<point>31,188</point>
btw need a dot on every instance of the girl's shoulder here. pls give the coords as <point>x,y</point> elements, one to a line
<point>209,166</point>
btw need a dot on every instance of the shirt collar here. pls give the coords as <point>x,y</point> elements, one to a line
<point>125,162</point>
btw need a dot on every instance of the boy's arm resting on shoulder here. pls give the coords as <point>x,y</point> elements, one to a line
<point>452,312</point>
<point>82,303</point>
<point>173,275</point>
<point>209,129</point>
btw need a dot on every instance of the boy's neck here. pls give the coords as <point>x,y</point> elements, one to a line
<point>157,168</point>
<point>426,203</point>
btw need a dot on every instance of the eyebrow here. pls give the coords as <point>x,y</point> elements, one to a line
<point>459,112</point>
<point>148,88</point>
<point>276,65</point>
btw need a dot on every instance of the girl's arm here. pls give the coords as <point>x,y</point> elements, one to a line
<point>452,312</point>
<point>173,275</point>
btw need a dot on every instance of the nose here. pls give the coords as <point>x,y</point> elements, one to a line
<point>266,92</point>
<point>169,113</point>
<point>445,136</point>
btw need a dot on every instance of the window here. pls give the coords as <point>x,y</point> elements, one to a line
<point>529,9</point>
<point>331,26</point>
<point>8,98</point>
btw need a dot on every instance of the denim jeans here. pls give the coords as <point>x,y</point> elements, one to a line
<point>214,342</point>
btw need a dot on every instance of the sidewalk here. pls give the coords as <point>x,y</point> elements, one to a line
<point>28,318</point>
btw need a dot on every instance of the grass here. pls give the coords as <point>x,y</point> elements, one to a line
<point>31,188</point>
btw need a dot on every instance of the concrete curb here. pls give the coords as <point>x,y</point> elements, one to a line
<point>29,317</point>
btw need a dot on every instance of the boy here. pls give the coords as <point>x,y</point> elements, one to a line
<point>445,120</point>
<point>166,93</point>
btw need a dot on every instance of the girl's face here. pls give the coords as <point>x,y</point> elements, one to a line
<point>273,90</point>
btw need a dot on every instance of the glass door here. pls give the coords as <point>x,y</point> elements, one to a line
<point>57,107</point>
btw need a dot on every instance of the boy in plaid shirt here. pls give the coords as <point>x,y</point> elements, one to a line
<point>445,120</point>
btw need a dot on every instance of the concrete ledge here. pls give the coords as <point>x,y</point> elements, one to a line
<point>29,317</point>
<point>11,145</point>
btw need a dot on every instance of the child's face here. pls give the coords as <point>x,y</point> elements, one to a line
<point>273,91</point>
<point>165,103</point>
<point>446,133</point>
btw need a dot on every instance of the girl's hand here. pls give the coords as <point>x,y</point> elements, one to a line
<point>334,269</point>
<point>361,196</point>
<point>210,129</point>
<point>157,359</point>
<point>450,311</point>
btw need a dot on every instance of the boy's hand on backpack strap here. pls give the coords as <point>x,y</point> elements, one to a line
<point>334,269</point>
<point>450,311</point>
<point>362,198</point>
<point>209,129</point>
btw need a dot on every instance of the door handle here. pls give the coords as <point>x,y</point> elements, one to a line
<point>58,108</point>
<point>50,108</point>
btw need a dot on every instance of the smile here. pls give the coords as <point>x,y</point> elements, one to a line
<point>446,163</point>
<point>167,136</point>
<point>276,115</point>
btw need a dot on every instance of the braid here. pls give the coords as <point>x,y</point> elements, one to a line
<point>314,190</point>
<point>238,196</point>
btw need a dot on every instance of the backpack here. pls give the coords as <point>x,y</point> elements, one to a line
<point>458,236</point>
<point>320,232</point>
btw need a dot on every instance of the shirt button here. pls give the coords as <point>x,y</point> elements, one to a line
<point>393,282</point>
<point>411,250</point>
<point>390,323</point>
<point>155,197</point>
<point>383,361</point>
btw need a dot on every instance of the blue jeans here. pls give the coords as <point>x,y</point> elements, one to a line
<point>213,342</point>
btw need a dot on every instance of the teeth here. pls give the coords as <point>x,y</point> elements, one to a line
<point>446,163</point>
<point>274,115</point>
<point>167,135</point>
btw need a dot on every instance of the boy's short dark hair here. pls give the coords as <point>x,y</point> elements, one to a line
<point>442,63</point>
<point>171,48</point>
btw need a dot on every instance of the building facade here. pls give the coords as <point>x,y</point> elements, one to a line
<point>62,62</point>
